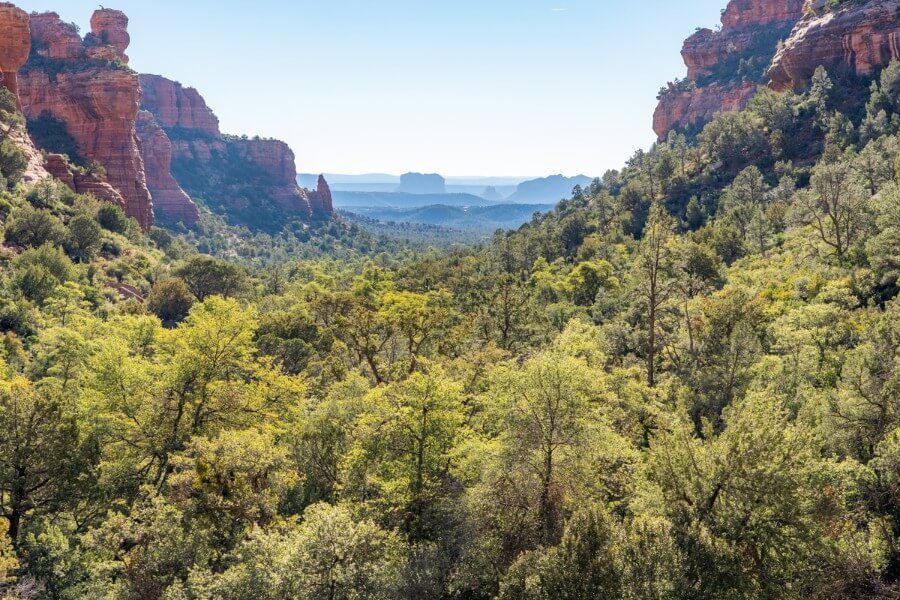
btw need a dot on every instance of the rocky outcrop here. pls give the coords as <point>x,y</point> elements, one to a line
<point>320,200</point>
<point>15,44</point>
<point>693,107</point>
<point>740,13</point>
<point>82,182</point>
<point>177,107</point>
<point>86,90</point>
<point>53,38</point>
<point>725,66</point>
<point>110,28</point>
<point>859,36</point>
<point>252,181</point>
<point>245,178</point>
<point>170,203</point>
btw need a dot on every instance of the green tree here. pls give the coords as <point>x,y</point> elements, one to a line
<point>653,278</point>
<point>206,276</point>
<point>543,410</point>
<point>32,227</point>
<point>729,495</point>
<point>84,238</point>
<point>112,218</point>
<point>402,456</point>
<point>39,453</point>
<point>835,207</point>
<point>330,555</point>
<point>170,300</point>
<point>586,564</point>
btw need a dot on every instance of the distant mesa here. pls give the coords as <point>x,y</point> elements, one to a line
<point>420,183</point>
<point>548,189</point>
<point>491,193</point>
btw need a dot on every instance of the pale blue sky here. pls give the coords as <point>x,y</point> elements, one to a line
<point>460,87</point>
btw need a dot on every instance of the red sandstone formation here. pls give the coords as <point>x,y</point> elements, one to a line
<point>747,26</point>
<point>275,160</point>
<point>234,173</point>
<point>15,44</point>
<point>83,183</point>
<point>53,38</point>
<point>861,37</point>
<point>740,13</point>
<point>320,200</point>
<point>110,28</point>
<point>170,203</point>
<point>696,106</point>
<point>96,103</point>
<point>175,106</point>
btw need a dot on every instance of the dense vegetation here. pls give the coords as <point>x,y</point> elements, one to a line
<point>682,383</point>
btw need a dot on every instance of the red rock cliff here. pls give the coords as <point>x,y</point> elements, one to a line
<point>861,36</point>
<point>175,106</point>
<point>749,35</point>
<point>72,82</point>
<point>170,203</point>
<point>15,44</point>
<point>697,105</point>
<point>250,180</point>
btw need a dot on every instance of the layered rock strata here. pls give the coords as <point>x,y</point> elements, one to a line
<point>252,181</point>
<point>80,92</point>
<point>725,66</point>
<point>858,36</point>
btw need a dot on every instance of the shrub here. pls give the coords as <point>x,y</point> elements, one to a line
<point>12,162</point>
<point>38,271</point>
<point>112,218</point>
<point>162,238</point>
<point>206,276</point>
<point>170,300</point>
<point>84,240</point>
<point>32,227</point>
<point>8,108</point>
<point>51,194</point>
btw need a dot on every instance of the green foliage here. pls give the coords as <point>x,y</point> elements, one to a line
<point>38,271</point>
<point>12,162</point>
<point>170,300</point>
<point>112,218</point>
<point>32,227</point>
<point>84,238</point>
<point>206,276</point>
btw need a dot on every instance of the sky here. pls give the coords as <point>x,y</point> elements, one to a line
<point>458,87</point>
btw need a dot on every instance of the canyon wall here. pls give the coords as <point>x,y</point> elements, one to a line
<point>170,203</point>
<point>15,44</point>
<point>858,36</point>
<point>177,107</point>
<point>81,98</point>
<point>724,67</point>
<point>251,181</point>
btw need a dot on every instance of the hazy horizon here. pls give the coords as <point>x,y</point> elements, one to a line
<point>527,86</point>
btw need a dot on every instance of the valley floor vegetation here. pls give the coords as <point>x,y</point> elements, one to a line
<point>682,383</point>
